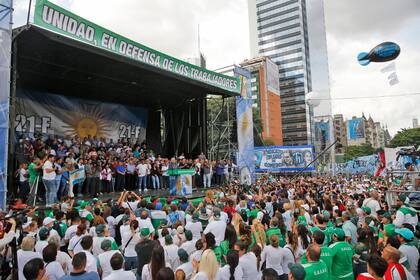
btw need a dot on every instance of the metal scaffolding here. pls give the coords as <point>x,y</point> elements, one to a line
<point>221,127</point>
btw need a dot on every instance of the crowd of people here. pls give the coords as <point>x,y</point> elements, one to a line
<point>107,166</point>
<point>279,228</point>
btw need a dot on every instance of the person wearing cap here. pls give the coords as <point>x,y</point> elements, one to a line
<point>101,235</point>
<point>179,236</point>
<point>409,250</point>
<point>315,268</point>
<point>342,254</point>
<point>405,213</point>
<point>26,253</point>
<point>217,227</point>
<point>376,268</point>
<point>195,226</point>
<point>43,235</point>
<point>48,223</point>
<point>144,250</point>
<point>318,238</point>
<point>372,203</point>
<point>105,257</point>
<point>296,272</point>
<point>361,254</point>
<point>171,252</point>
<point>185,264</point>
<point>189,244</point>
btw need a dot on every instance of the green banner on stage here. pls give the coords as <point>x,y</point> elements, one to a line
<point>175,172</point>
<point>59,20</point>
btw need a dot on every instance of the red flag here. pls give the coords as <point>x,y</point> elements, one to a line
<point>381,165</point>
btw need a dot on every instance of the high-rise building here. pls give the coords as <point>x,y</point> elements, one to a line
<point>340,133</point>
<point>266,95</point>
<point>279,30</point>
<point>415,123</point>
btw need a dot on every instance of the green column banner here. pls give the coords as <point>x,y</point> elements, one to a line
<point>59,20</point>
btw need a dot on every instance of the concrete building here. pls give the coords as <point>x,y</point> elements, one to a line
<point>266,95</point>
<point>368,131</point>
<point>415,123</point>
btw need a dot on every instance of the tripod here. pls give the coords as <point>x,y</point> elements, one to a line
<point>33,192</point>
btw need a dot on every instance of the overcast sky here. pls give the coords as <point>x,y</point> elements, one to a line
<point>352,26</point>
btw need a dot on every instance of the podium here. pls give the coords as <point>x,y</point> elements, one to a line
<point>183,184</point>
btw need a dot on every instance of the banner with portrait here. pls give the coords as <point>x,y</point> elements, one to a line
<point>46,114</point>
<point>356,128</point>
<point>283,158</point>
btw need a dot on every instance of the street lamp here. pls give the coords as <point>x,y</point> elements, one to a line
<point>313,99</point>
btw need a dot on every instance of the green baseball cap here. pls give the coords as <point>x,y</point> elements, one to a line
<point>403,198</point>
<point>339,221</point>
<point>366,210</point>
<point>100,229</point>
<point>339,232</point>
<point>361,251</point>
<point>195,217</point>
<point>188,234</point>
<point>297,271</point>
<point>145,232</point>
<point>106,244</point>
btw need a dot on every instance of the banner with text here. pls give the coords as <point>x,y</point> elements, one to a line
<point>283,158</point>
<point>59,20</point>
<point>39,113</point>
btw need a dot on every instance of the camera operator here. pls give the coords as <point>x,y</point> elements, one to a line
<point>7,243</point>
<point>7,237</point>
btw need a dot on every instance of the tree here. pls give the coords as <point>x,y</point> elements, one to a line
<point>352,152</point>
<point>406,137</point>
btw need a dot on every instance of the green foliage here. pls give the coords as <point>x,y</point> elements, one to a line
<point>406,137</point>
<point>352,152</point>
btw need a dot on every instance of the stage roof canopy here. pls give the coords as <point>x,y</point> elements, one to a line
<point>58,64</point>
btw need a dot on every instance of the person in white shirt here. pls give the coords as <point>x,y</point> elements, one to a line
<point>287,216</point>
<point>62,257</point>
<point>157,261</point>
<point>48,223</point>
<point>189,244</point>
<point>101,234</point>
<point>208,268</point>
<point>74,244</point>
<point>104,258</point>
<point>273,255</point>
<point>195,226</point>
<point>53,269</point>
<point>372,203</point>
<point>217,227</point>
<point>248,261</point>
<point>43,235</point>
<point>142,176</point>
<point>129,240</point>
<point>171,252</point>
<point>25,254</point>
<point>186,265</point>
<point>48,178</point>
<point>410,251</point>
<point>232,267</point>
<point>144,221</point>
<point>91,262</point>
<point>71,230</point>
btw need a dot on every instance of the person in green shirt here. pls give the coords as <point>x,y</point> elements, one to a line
<point>34,170</point>
<point>315,268</point>
<point>318,238</point>
<point>342,256</point>
<point>275,230</point>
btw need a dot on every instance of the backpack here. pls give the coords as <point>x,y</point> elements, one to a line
<point>57,227</point>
